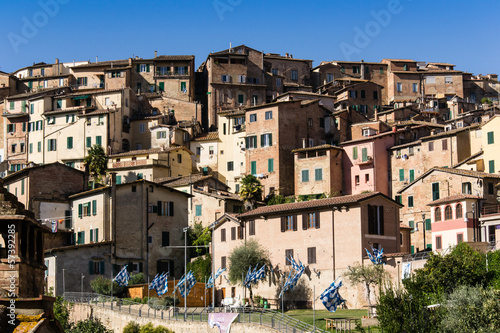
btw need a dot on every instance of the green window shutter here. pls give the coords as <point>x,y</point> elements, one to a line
<point>91,267</point>
<point>22,186</point>
<point>254,138</point>
<point>354,153</point>
<point>161,86</point>
<point>101,267</point>
<point>138,68</point>
<point>91,235</point>
<point>429,246</point>
<point>305,176</point>
<point>253,167</point>
<point>98,140</point>
<point>118,180</point>
<point>270,165</point>
<point>435,191</point>
<point>398,199</point>
<point>94,207</point>
<point>198,210</point>
<point>262,140</point>
<point>147,68</point>
<point>89,142</point>
<point>80,210</point>
<point>240,99</point>
<point>491,166</point>
<point>183,86</point>
<point>70,142</point>
<point>428,224</point>
<point>364,154</point>
<point>401,175</point>
<point>318,174</point>
<point>270,139</point>
<point>491,138</point>
<point>412,175</point>
<point>30,84</point>
<point>412,249</point>
<point>410,201</point>
<point>412,225</point>
<point>24,127</point>
<point>159,205</point>
<point>31,148</point>
<point>96,234</point>
<point>83,237</point>
<point>39,146</point>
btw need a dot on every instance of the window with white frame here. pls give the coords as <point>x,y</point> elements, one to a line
<point>142,128</point>
<point>266,140</point>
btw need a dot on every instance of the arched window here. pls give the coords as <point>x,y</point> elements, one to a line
<point>437,214</point>
<point>459,211</point>
<point>448,213</point>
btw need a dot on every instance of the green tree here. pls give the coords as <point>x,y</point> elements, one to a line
<point>401,312</point>
<point>442,274</point>
<point>486,100</point>
<point>368,275</point>
<point>101,285</point>
<point>471,309</point>
<point>201,267</point>
<point>91,325</point>
<point>250,191</point>
<point>97,162</point>
<point>61,312</point>
<point>200,237</point>
<point>241,258</point>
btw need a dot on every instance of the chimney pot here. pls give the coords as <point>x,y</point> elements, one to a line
<point>156,54</point>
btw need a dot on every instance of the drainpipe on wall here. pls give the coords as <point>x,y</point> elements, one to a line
<point>333,242</point>
<point>113,211</point>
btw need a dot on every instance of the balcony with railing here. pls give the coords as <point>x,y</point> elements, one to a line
<point>365,160</point>
<point>490,210</point>
<point>171,75</point>
<point>136,163</point>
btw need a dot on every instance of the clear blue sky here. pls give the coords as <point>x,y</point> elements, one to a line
<point>464,33</point>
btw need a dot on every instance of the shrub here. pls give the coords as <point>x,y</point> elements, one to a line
<point>132,327</point>
<point>91,325</point>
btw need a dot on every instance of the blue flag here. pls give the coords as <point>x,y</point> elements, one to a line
<point>162,284</point>
<point>331,298</point>
<point>186,283</point>
<point>377,257</point>
<point>211,280</point>
<point>122,277</point>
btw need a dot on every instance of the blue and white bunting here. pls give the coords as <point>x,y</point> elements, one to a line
<point>377,257</point>
<point>122,277</point>
<point>254,276</point>
<point>331,298</point>
<point>211,280</point>
<point>185,287</point>
<point>162,284</point>
<point>294,276</point>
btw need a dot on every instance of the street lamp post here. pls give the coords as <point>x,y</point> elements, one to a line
<point>185,269</point>
<point>423,227</point>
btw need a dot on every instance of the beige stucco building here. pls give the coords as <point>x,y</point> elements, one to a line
<point>327,235</point>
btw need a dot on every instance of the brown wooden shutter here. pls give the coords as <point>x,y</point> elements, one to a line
<point>370,220</point>
<point>381,219</point>
<point>317,220</point>
<point>294,222</point>
<point>304,221</point>
<point>283,224</point>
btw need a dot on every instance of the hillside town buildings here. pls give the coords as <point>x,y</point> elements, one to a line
<point>398,154</point>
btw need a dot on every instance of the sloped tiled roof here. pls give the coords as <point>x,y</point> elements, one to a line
<point>174,57</point>
<point>456,197</point>
<point>185,180</point>
<point>220,194</point>
<point>150,151</point>
<point>326,146</point>
<point>210,136</point>
<point>473,156</point>
<point>297,206</point>
<point>470,173</point>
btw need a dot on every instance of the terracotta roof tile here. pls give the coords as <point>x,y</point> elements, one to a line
<point>296,206</point>
<point>456,197</point>
<point>208,136</point>
<point>326,146</point>
<point>148,151</point>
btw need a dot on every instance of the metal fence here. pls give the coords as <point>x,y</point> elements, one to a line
<point>263,317</point>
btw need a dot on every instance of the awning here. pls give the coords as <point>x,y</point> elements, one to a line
<point>81,97</point>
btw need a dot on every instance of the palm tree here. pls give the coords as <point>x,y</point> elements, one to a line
<point>97,162</point>
<point>251,191</point>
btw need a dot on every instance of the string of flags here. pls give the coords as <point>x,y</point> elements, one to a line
<point>160,283</point>
<point>122,277</point>
<point>254,276</point>
<point>293,276</point>
<point>376,257</point>
<point>331,298</point>
<point>185,288</point>
<point>211,280</point>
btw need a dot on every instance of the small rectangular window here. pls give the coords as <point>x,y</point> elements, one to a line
<point>253,117</point>
<point>288,255</point>
<point>270,165</point>
<point>318,174</point>
<point>268,115</point>
<point>305,176</point>
<point>311,255</point>
<point>230,166</point>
